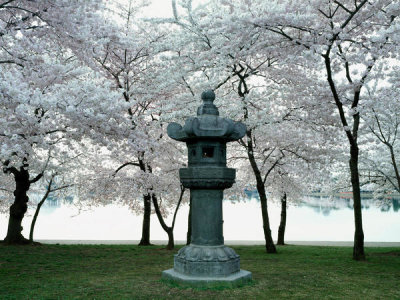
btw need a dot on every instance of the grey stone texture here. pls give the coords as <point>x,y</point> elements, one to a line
<point>206,261</point>
<point>236,279</point>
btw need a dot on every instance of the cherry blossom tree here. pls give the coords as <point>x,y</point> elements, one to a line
<point>251,87</point>
<point>124,50</point>
<point>345,39</point>
<point>40,117</point>
<point>91,82</point>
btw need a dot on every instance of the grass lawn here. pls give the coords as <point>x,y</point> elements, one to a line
<point>126,271</point>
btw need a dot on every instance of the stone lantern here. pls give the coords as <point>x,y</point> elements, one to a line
<point>207,261</point>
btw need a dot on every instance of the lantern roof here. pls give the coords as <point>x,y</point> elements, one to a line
<point>207,125</point>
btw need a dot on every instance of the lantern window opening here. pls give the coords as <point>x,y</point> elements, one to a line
<point>208,152</point>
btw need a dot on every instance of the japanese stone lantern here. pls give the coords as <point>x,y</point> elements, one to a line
<point>207,261</point>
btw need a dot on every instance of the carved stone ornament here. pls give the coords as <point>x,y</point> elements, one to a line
<point>208,124</point>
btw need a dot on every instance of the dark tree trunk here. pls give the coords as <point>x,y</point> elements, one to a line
<point>145,240</point>
<point>243,90</point>
<point>34,220</point>
<point>189,231</point>
<point>358,249</point>
<point>171,243</point>
<point>269,243</point>
<point>168,229</point>
<point>39,206</point>
<point>282,225</point>
<point>18,208</point>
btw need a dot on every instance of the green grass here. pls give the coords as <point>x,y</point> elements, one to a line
<point>132,272</point>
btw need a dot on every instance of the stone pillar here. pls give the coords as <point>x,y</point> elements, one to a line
<point>207,261</point>
<point>207,221</point>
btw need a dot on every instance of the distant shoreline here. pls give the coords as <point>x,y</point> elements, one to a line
<point>229,242</point>
<point>349,195</point>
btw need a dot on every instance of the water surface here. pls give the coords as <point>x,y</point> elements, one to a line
<point>314,219</point>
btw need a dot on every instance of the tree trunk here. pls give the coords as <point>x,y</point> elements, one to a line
<point>18,208</point>
<point>358,249</point>
<point>34,220</point>
<point>269,243</point>
<point>189,231</point>
<point>39,206</point>
<point>167,229</point>
<point>145,240</point>
<point>282,225</point>
<point>171,243</point>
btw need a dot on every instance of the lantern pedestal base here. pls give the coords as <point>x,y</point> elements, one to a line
<point>207,266</point>
<point>236,279</point>
<point>206,261</point>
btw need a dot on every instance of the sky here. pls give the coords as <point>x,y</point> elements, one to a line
<point>163,8</point>
<point>159,9</point>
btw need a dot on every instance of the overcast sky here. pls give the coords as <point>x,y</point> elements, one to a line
<point>159,8</point>
<point>163,8</point>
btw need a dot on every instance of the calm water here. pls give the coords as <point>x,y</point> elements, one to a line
<point>315,219</point>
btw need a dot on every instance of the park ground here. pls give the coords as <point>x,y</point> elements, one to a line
<point>132,272</point>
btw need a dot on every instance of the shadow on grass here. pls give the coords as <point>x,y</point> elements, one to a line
<point>390,253</point>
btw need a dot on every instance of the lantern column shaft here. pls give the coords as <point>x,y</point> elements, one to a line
<point>207,222</point>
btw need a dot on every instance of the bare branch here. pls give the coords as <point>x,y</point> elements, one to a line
<point>2,5</point>
<point>342,6</point>
<point>124,165</point>
<point>11,62</point>
<point>37,178</point>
